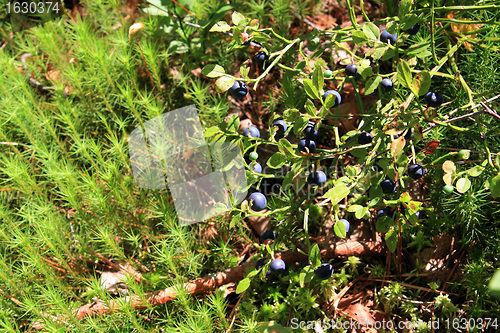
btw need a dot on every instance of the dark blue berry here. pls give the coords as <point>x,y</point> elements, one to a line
<point>239,90</point>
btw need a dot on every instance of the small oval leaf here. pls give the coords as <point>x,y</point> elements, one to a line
<point>463,184</point>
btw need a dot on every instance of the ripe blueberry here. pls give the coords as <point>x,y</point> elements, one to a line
<point>384,36</point>
<point>376,167</point>
<point>253,156</point>
<point>351,70</point>
<point>307,145</point>
<point>365,138</point>
<point>260,58</point>
<point>388,186</point>
<point>346,224</point>
<point>413,30</point>
<point>282,127</point>
<point>267,234</point>
<point>386,84</point>
<point>324,272</point>
<point>252,131</point>
<point>387,36</point>
<point>310,132</point>
<point>257,168</point>
<point>335,93</point>
<point>416,171</point>
<point>239,90</point>
<point>434,99</point>
<point>259,201</point>
<point>260,263</point>
<point>409,135</point>
<point>385,212</point>
<point>316,178</point>
<point>277,265</point>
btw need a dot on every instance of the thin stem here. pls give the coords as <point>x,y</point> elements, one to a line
<point>149,74</point>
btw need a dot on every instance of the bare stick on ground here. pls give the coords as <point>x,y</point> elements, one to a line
<point>211,283</point>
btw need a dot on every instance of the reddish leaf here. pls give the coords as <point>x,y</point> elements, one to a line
<point>431,146</point>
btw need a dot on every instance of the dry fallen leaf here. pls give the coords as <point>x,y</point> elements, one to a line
<point>461,28</point>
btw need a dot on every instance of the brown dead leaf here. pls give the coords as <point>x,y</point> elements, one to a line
<point>53,75</point>
<point>461,28</point>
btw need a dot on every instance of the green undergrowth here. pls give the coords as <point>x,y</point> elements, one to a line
<point>69,204</point>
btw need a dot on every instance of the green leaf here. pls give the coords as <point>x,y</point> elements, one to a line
<point>211,131</point>
<point>337,193</point>
<point>178,47</point>
<point>220,26</point>
<point>392,27</point>
<point>378,52</point>
<point>315,256</point>
<point>352,171</point>
<point>271,327</point>
<point>244,69</point>
<point>404,74</point>
<point>361,212</point>
<point>391,239</point>
<point>404,7</point>
<point>495,186</point>
<point>157,9</point>
<point>233,45</point>
<point>414,206</point>
<point>339,229</point>
<point>233,124</point>
<point>311,90</point>
<point>389,54</point>
<point>494,285</point>
<point>354,208</point>
<point>371,30</point>
<point>243,285</point>
<point>290,115</point>
<point>330,101</point>
<point>224,83</point>
<point>359,153</point>
<point>421,83</point>
<point>318,78</point>
<point>475,171</point>
<point>300,125</point>
<point>397,145</point>
<point>402,160</point>
<point>260,37</point>
<point>359,37</point>
<point>277,160</point>
<point>404,197</point>
<point>384,223</point>
<point>409,21</point>
<point>213,71</point>
<point>310,108</point>
<point>285,147</point>
<point>372,84</point>
<point>238,18</point>
<point>234,220</point>
<point>462,185</point>
<point>306,275</point>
